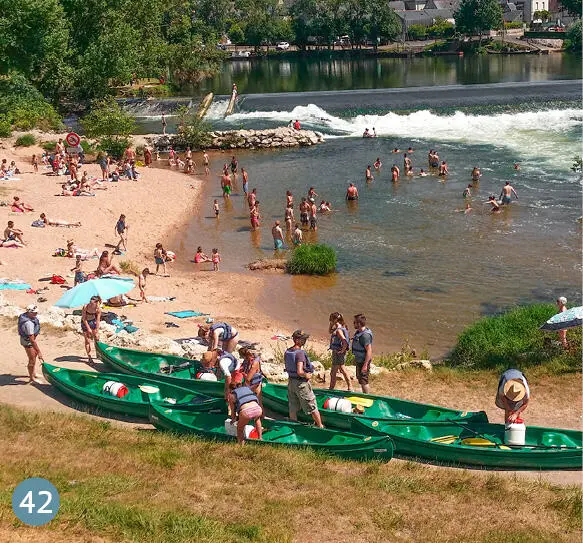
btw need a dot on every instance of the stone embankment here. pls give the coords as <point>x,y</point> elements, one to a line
<point>272,138</point>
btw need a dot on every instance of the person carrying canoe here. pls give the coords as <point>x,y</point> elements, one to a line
<point>244,407</point>
<point>28,330</point>
<point>513,394</point>
<point>251,369</point>
<point>225,364</point>
<point>362,351</point>
<point>219,332</point>
<point>299,389</point>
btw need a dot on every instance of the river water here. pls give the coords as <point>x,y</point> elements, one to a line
<point>416,266</point>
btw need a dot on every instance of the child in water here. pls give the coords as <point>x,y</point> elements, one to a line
<point>216,208</point>
<point>216,259</point>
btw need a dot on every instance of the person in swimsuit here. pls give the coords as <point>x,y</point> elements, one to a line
<point>252,198</point>
<point>395,150</point>
<point>507,192</point>
<point>395,173</point>
<point>312,193</point>
<point>205,161</point>
<point>234,166</point>
<point>422,173</point>
<point>443,171</point>
<point>216,258</point>
<point>90,320</point>
<point>304,210</point>
<point>254,216</point>
<point>245,177</point>
<point>57,222</point>
<point>80,276</point>
<point>562,306</point>
<point>142,284</point>
<point>366,133</point>
<point>289,217</point>
<point>351,192</point>
<point>467,191</point>
<point>106,265</point>
<point>492,201</point>
<point>226,185</point>
<point>368,174</point>
<point>200,256</point>
<point>476,174</point>
<point>297,236</point>
<point>277,234</point>
<point>339,344</point>
<point>313,217</point>
<point>121,229</point>
<point>163,124</point>
<point>160,259</point>
<point>19,206</point>
<point>378,164</point>
<point>216,208</point>
<point>289,198</point>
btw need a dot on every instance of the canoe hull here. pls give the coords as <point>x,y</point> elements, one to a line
<point>135,404</point>
<point>355,447</point>
<point>546,448</point>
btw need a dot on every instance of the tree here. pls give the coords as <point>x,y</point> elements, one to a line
<point>478,16</point>
<point>236,34</point>
<point>383,23</point>
<point>573,37</point>
<point>573,7</point>
<point>543,15</point>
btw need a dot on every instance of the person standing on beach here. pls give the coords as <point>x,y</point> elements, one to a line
<point>142,284</point>
<point>90,320</point>
<point>297,236</point>
<point>299,389</point>
<point>160,259</point>
<point>339,339</point>
<point>507,192</point>
<point>205,161</point>
<point>245,177</point>
<point>147,156</point>
<point>562,306</point>
<point>362,351</point>
<point>216,258</point>
<point>163,124</point>
<point>277,234</point>
<point>28,330</point>
<point>121,229</point>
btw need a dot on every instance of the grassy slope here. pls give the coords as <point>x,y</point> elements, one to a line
<point>119,485</point>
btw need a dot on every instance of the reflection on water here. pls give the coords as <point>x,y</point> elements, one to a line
<point>324,73</point>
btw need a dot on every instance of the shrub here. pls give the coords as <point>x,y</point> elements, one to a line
<point>5,128</point>
<point>88,148</point>
<point>114,146</point>
<point>192,131</point>
<point>317,259</point>
<point>514,339</point>
<point>417,32</point>
<point>573,37</point>
<point>49,146</point>
<point>26,140</point>
<point>513,24</point>
<point>107,119</point>
<point>130,267</point>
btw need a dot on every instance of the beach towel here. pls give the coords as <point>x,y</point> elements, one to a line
<point>38,224</point>
<point>185,314</point>
<point>124,325</point>
<point>13,284</point>
<point>160,298</point>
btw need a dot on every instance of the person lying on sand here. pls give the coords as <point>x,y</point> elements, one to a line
<point>57,222</point>
<point>73,251</point>
<point>19,206</point>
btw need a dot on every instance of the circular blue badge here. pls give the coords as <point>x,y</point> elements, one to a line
<point>35,501</point>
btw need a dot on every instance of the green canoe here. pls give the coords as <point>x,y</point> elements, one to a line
<point>276,432</point>
<point>480,444</point>
<point>88,387</point>
<point>151,365</point>
<point>383,407</point>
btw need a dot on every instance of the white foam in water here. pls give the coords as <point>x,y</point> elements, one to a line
<point>216,110</point>
<point>529,134</point>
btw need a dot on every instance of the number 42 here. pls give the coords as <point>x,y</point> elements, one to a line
<point>26,503</point>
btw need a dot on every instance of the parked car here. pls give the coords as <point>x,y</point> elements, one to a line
<point>241,54</point>
<point>282,46</point>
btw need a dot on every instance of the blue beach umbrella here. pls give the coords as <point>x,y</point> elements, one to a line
<point>567,319</point>
<point>105,288</point>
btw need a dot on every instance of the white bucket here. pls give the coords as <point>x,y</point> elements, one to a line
<point>515,433</point>
<point>206,376</point>
<point>113,388</point>
<point>231,429</point>
<point>338,404</point>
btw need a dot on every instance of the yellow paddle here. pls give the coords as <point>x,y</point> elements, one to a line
<point>364,402</point>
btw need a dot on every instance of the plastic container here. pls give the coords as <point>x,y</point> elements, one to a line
<point>515,433</point>
<point>113,388</point>
<point>206,376</point>
<point>250,431</point>
<point>338,404</point>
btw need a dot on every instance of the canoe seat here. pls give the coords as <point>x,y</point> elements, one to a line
<point>555,439</point>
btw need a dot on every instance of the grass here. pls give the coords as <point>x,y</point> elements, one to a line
<point>111,490</point>
<point>26,140</point>
<point>130,267</point>
<point>318,259</point>
<point>49,146</point>
<point>514,339</point>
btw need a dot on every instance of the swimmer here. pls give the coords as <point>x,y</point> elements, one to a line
<point>304,209</point>
<point>443,171</point>
<point>467,192</point>
<point>351,192</point>
<point>395,173</point>
<point>216,208</point>
<point>507,192</point>
<point>492,201</point>
<point>297,235</point>
<point>366,133</point>
<point>395,150</point>
<point>410,150</point>
<point>378,164</point>
<point>407,165</point>
<point>324,207</point>
<point>289,216</point>
<point>368,174</point>
<point>466,210</point>
<point>476,174</point>
<point>517,166</point>
<point>422,173</point>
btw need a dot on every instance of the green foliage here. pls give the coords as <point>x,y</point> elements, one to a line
<point>192,131</point>
<point>316,259</point>
<point>26,140</point>
<point>478,16</point>
<point>514,339</point>
<point>543,15</point>
<point>107,118</point>
<point>572,6</point>
<point>573,37</point>
<point>236,34</point>
<point>88,148</point>
<point>114,145</point>
<point>49,146</point>
<point>417,32</point>
<point>513,24</point>
<point>23,106</point>
<point>441,29</point>
<point>5,128</point>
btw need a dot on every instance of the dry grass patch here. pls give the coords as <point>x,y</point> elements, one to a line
<point>128,485</point>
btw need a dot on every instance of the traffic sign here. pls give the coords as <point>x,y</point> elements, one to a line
<point>73,139</point>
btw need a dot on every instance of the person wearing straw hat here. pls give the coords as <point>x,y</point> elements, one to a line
<point>562,306</point>
<point>28,330</point>
<point>513,394</point>
<point>299,389</point>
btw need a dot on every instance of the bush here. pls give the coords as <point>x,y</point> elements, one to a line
<point>192,131</point>
<point>87,147</point>
<point>26,140</point>
<point>107,119</point>
<point>441,29</point>
<point>114,146</point>
<point>573,37</point>
<point>5,128</point>
<point>49,146</point>
<point>317,259</point>
<point>514,339</point>
<point>417,32</point>
<point>513,24</point>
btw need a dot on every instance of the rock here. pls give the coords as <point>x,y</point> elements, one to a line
<point>268,264</point>
<point>423,364</point>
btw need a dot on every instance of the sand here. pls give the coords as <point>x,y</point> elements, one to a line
<point>156,207</point>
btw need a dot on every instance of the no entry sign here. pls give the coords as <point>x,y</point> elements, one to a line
<point>73,139</point>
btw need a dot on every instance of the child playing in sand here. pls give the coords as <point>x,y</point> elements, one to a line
<point>160,259</point>
<point>216,259</point>
<point>200,256</point>
<point>216,208</point>
<point>142,284</point>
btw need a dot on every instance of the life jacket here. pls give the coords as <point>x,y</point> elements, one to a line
<point>243,395</point>
<point>22,320</point>
<point>257,376</point>
<point>291,364</point>
<point>336,342</point>
<point>508,375</point>
<point>227,333</point>
<point>233,361</point>
<point>358,350</point>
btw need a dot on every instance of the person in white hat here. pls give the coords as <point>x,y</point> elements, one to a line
<point>28,330</point>
<point>513,394</point>
<point>562,306</point>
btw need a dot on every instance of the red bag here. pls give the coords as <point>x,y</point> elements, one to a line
<point>57,280</point>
